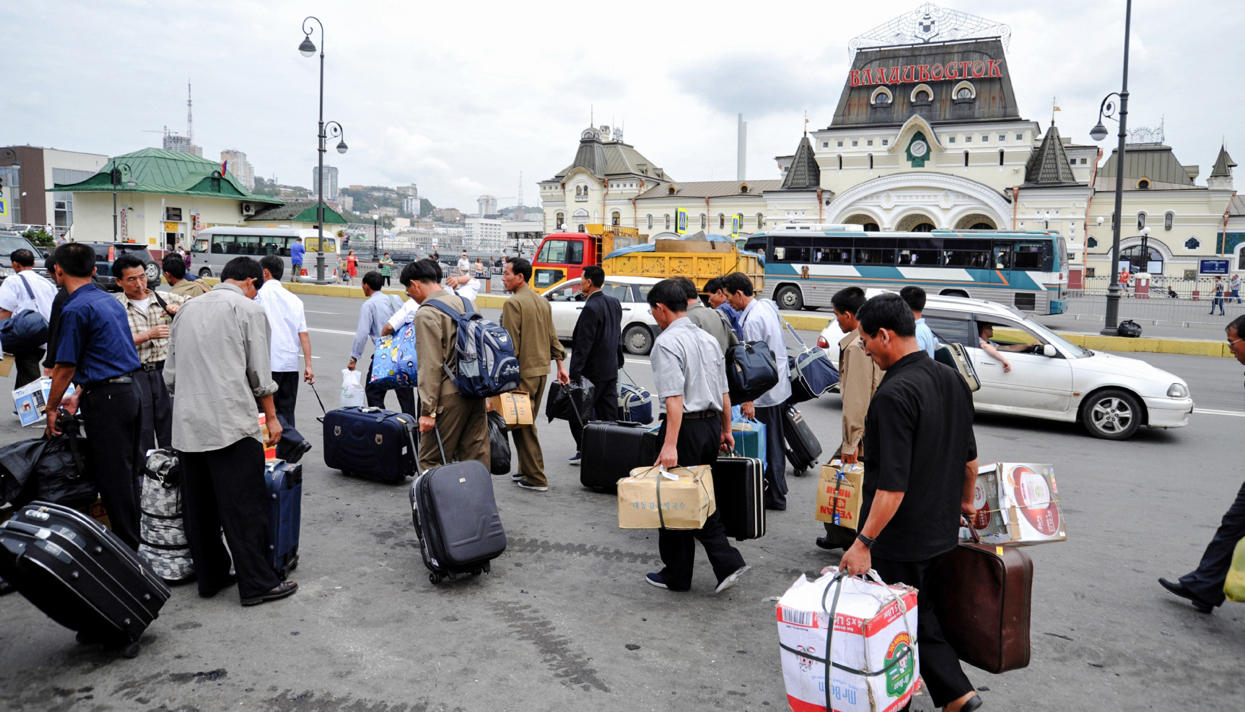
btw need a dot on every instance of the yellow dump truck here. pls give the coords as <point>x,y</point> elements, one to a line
<point>694,257</point>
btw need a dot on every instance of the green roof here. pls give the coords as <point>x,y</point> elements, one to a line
<point>154,170</point>
<point>298,211</point>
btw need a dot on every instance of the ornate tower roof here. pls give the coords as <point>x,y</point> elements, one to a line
<point>804,173</point>
<point>1048,164</point>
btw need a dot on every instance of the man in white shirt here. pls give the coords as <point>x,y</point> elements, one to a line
<point>759,321</point>
<point>288,323</point>
<point>21,291</point>
<point>464,285</point>
<point>464,264</point>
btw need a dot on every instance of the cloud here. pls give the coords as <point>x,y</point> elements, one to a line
<point>755,84</point>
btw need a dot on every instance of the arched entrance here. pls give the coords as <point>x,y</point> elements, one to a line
<point>869,222</point>
<point>976,221</point>
<point>915,222</point>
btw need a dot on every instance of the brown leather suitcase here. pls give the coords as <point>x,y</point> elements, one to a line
<point>983,595</point>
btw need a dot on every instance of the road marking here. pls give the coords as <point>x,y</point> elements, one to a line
<point>1207,411</point>
<point>313,311</point>
<point>331,331</point>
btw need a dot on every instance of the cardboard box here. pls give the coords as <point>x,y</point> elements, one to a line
<point>1029,503</point>
<point>681,498</point>
<point>515,408</point>
<point>988,521</point>
<point>839,494</point>
<point>874,632</point>
<point>30,401</point>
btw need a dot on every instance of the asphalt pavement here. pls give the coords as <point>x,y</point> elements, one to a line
<point>566,622</point>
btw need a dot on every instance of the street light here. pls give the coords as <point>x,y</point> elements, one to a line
<point>308,48</point>
<point>375,221</point>
<point>114,177</point>
<point>1108,109</point>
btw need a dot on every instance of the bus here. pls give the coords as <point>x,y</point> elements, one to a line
<point>804,267</point>
<point>215,246</point>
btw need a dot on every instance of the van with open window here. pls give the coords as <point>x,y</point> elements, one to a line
<point>215,246</point>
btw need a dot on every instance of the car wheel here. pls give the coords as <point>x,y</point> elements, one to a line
<point>789,298</point>
<point>637,340</point>
<point>1111,414</point>
<point>204,272</point>
<point>153,273</point>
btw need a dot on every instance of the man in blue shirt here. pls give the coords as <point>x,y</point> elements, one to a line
<point>914,297</point>
<point>95,351</point>
<point>376,311</point>
<point>296,258</point>
<point>718,299</point>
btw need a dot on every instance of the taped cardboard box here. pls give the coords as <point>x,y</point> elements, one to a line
<point>839,494</point>
<point>873,649</point>
<point>654,498</point>
<point>514,407</point>
<point>988,521</point>
<point>1028,509</point>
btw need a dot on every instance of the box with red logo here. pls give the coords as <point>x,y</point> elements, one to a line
<point>870,630</point>
<point>1028,504</point>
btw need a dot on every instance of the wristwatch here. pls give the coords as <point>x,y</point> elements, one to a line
<point>868,542</point>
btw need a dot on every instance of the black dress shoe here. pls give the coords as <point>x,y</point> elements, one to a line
<point>281,590</point>
<point>1179,589</point>
<point>973,703</point>
<point>297,453</point>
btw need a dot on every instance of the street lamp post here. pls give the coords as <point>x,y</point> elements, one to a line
<point>375,221</point>
<point>1108,109</point>
<point>115,177</point>
<point>308,49</point>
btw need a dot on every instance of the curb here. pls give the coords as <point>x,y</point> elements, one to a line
<point>808,322</point>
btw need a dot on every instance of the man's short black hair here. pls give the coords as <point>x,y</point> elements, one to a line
<point>714,285</point>
<point>671,293</point>
<point>420,271</point>
<point>123,262</point>
<point>521,267</point>
<point>594,274</point>
<point>848,300</point>
<point>275,266</point>
<point>373,280</point>
<point>76,259</point>
<point>689,287</point>
<point>174,265</point>
<point>914,296</point>
<point>23,257</point>
<point>242,269</point>
<point>737,282</point>
<point>49,263</point>
<point>1237,325</point>
<point>887,311</point>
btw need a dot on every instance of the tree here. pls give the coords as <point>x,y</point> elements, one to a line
<point>39,237</point>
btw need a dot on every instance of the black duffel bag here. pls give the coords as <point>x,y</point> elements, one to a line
<point>1129,328</point>
<point>499,444</point>
<point>49,469</point>
<point>570,401</point>
<point>750,370</point>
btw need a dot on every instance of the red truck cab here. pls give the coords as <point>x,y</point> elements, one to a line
<point>563,255</point>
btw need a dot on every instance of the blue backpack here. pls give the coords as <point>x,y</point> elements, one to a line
<point>487,365</point>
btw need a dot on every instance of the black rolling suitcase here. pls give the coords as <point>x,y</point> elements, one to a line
<point>371,443</point>
<point>737,486</point>
<point>610,451</point>
<point>803,449</point>
<point>80,574</point>
<point>456,519</point>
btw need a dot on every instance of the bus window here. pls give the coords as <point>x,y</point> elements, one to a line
<point>553,252</point>
<point>1033,255</point>
<point>967,253</point>
<point>791,249</point>
<point>875,252</point>
<point>758,245</point>
<point>575,254</point>
<point>200,246</point>
<point>222,244</point>
<point>1002,255</point>
<point>244,245</point>
<point>275,245</point>
<point>925,252</point>
<point>832,250</point>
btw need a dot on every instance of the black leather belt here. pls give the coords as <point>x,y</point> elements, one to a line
<point>698,414</point>
<point>157,366</point>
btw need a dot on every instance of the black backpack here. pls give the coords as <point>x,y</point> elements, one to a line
<point>1129,328</point>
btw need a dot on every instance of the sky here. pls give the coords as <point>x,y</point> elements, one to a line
<point>463,98</point>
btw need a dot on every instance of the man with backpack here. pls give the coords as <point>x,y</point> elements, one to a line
<point>373,316</point>
<point>528,318</point>
<point>458,420</point>
<point>25,290</point>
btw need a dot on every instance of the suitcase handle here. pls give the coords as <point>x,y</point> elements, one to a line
<point>313,390</point>
<point>436,431</point>
<point>972,531</point>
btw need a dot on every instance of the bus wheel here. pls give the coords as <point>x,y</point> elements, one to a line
<point>788,297</point>
<point>637,339</point>
<point>205,272</point>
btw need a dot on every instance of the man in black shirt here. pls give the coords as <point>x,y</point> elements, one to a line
<point>920,469</point>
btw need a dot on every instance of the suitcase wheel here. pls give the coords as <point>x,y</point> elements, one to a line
<point>435,578</point>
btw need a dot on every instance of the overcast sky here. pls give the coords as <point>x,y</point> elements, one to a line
<point>462,97</point>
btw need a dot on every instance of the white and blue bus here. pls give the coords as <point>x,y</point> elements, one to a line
<point>805,265</point>
<point>215,246</point>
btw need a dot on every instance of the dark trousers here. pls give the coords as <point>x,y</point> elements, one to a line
<point>286,397</point>
<point>386,278</point>
<point>697,445</point>
<point>1216,302</point>
<point>604,407</point>
<point>225,489</point>
<point>940,666</point>
<point>1206,581</point>
<point>112,414</point>
<point>157,422</point>
<point>29,367</point>
<point>376,395</point>
<point>775,457</point>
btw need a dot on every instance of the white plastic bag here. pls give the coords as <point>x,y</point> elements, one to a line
<point>352,389</point>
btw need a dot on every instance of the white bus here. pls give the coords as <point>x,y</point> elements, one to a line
<point>215,246</point>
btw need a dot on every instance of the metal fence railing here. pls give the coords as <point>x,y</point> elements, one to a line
<point>1167,301</point>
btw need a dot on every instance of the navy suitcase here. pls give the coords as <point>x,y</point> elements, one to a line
<point>803,448</point>
<point>80,574</point>
<point>611,451</point>
<point>812,374</point>
<point>285,488</point>
<point>738,484</point>
<point>635,404</point>
<point>456,519</point>
<point>371,443</point>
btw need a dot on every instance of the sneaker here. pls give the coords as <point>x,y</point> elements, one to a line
<point>518,476</point>
<point>655,579</point>
<point>524,484</point>
<point>574,459</point>
<point>730,580</point>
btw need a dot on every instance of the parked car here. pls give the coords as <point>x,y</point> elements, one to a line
<point>11,242</point>
<point>639,329</point>
<point>106,252</point>
<point>1110,396</point>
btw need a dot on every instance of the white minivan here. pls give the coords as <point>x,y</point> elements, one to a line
<point>215,246</point>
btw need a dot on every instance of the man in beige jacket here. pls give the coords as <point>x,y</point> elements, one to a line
<point>529,320</point>
<point>859,377</point>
